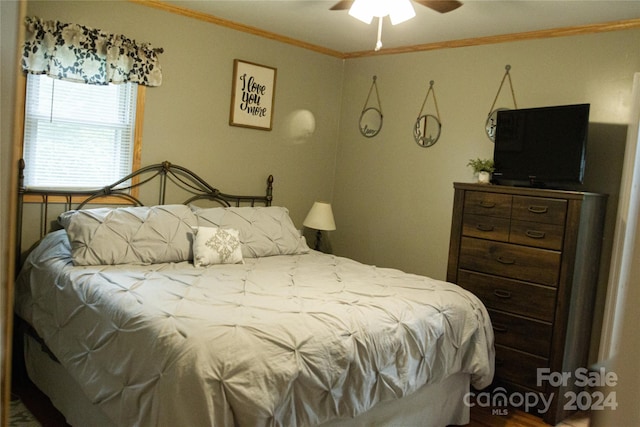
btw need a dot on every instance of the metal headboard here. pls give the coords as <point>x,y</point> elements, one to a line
<point>123,192</point>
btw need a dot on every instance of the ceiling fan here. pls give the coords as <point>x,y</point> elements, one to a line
<point>397,10</point>
<point>442,6</point>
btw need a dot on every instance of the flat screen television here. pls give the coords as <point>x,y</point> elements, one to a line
<point>541,147</point>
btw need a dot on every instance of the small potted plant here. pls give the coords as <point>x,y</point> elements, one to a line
<point>483,167</point>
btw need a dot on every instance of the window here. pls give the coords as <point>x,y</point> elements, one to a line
<point>78,135</point>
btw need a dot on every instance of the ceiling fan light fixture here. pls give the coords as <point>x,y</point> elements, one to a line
<point>362,10</point>
<point>400,11</point>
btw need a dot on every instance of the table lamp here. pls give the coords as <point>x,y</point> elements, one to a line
<point>320,218</point>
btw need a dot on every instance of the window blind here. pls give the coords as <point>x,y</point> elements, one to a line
<point>77,135</point>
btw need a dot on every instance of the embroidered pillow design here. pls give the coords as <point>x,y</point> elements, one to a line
<point>214,245</point>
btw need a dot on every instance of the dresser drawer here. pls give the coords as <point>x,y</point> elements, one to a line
<point>486,227</point>
<point>509,295</point>
<point>508,260</point>
<point>491,204</point>
<point>521,333</point>
<point>519,367</point>
<point>539,209</point>
<point>537,234</point>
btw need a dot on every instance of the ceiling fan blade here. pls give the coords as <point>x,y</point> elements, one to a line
<point>442,6</point>
<point>342,5</point>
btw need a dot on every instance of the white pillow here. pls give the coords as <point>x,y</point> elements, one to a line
<point>264,231</point>
<point>214,245</point>
<point>132,235</point>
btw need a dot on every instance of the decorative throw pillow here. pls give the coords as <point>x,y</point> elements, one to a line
<point>264,231</point>
<point>131,235</point>
<point>214,245</point>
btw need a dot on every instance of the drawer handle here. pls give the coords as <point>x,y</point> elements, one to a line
<point>487,205</point>
<point>500,328</point>
<point>484,227</point>
<point>506,261</point>
<point>535,234</point>
<point>538,209</point>
<point>500,293</point>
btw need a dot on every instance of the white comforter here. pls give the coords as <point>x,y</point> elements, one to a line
<point>282,340</point>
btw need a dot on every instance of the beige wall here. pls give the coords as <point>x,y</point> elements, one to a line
<point>186,119</point>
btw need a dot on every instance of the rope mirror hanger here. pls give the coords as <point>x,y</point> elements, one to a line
<point>371,117</point>
<point>492,118</point>
<point>426,130</point>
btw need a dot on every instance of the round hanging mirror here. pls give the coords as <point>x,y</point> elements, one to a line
<point>426,131</point>
<point>491,123</point>
<point>370,122</point>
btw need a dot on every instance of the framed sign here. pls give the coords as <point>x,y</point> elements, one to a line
<point>252,95</point>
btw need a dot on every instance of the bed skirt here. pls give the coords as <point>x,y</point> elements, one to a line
<point>434,405</point>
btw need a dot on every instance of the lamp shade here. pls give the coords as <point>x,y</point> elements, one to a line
<point>320,217</point>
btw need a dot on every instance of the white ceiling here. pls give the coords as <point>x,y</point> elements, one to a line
<point>311,21</point>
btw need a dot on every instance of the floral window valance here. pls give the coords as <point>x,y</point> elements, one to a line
<point>78,53</point>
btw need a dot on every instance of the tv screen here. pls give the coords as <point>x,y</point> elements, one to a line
<point>541,147</point>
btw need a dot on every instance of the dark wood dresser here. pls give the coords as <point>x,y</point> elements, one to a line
<point>532,257</point>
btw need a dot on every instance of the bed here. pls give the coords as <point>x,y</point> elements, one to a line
<point>213,311</point>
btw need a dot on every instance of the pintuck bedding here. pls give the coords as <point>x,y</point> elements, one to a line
<point>272,334</point>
